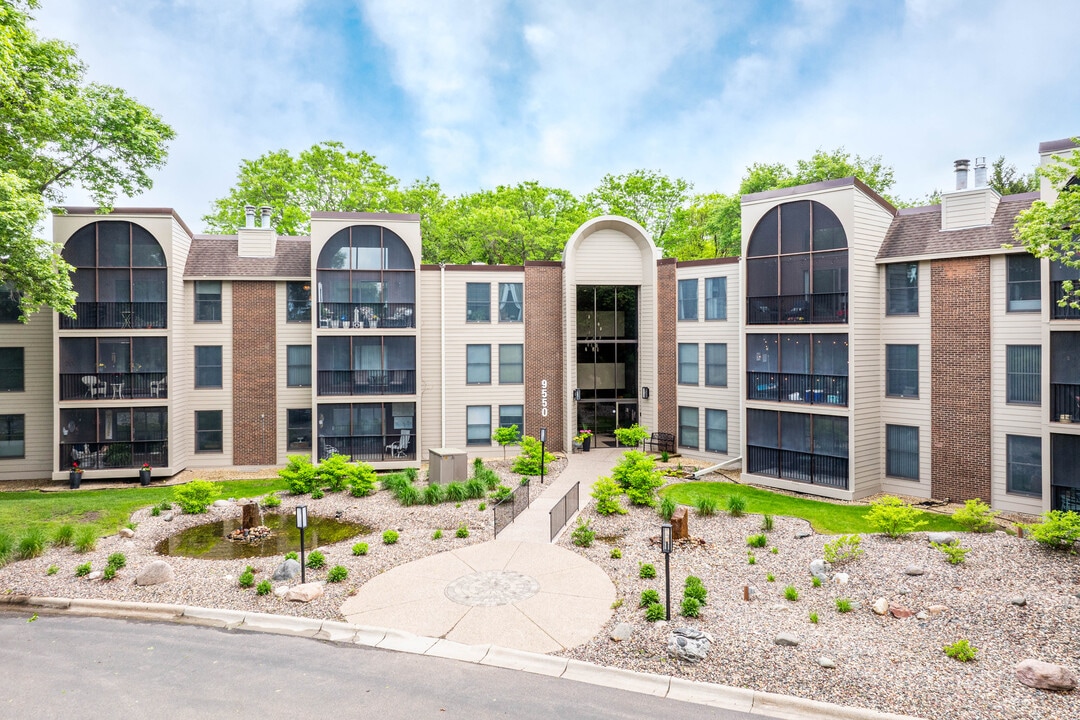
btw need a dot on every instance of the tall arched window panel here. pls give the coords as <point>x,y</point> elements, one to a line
<point>366,278</point>
<point>797,267</point>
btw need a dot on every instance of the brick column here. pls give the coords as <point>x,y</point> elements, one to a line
<point>667,403</point>
<point>960,377</point>
<point>254,373</point>
<point>544,351</point>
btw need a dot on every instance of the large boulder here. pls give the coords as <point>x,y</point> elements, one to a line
<point>819,569</point>
<point>286,571</point>
<point>688,644</point>
<point>1044,675</point>
<point>680,524</point>
<point>305,593</point>
<point>155,573</point>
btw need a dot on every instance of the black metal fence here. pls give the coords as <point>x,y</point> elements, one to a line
<point>563,510</point>
<point>108,386</point>
<point>510,507</point>
<point>797,387</point>
<point>797,309</point>
<point>366,315</point>
<point>367,382</point>
<point>95,315</point>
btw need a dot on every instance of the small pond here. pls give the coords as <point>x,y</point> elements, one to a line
<point>208,542</point>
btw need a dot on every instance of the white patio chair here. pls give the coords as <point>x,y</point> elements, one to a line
<point>401,445</point>
<point>156,386</point>
<point>93,389</point>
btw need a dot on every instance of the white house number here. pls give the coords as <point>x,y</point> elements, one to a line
<point>543,398</point>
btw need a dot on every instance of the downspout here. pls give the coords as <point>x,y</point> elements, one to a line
<point>442,355</point>
<point>718,466</point>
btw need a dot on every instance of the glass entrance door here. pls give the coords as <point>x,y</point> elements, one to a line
<point>607,370</point>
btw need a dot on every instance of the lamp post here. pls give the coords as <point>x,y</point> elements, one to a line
<point>665,547</point>
<point>301,522</point>
<point>543,442</point>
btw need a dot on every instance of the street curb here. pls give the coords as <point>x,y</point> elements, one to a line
<point>749,701</point>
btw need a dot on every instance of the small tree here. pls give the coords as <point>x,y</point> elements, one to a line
<point>506,436</point>
<point>606,492</point>
<point>631,436</point>
<point>528,462</point>
<point>637,475</point>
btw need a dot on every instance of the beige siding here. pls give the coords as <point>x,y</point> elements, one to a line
<point>34,403</point>
<point>181,357</point>
<point>200,399</point>
<point>429,362</point>
<point>968,208</point>
<point>289,398</point>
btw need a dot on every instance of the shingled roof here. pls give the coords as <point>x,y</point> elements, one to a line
<point>214,256</point>
<point>916,232</point>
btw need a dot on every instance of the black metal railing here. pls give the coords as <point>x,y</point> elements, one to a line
<point>1064,402</point>
<point>826,470</point>
<point>110,455</point>
<point>797,388</point>
<point>797,309</point>
<point>1056,311</point>
<point>563,510</point>
<point>510,507</point>
<point>369,448</point>
<point>109,386</point>
<point>367,382</point>
<point>104,315</point>
<point>366,315</point>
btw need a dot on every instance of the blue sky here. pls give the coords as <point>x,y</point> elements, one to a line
<point>475,94</point>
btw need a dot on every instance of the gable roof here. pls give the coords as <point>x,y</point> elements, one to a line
<point>214,256</point>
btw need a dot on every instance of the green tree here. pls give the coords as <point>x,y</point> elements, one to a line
<point>648,197</point>
<point>506,436</point>
<point>56,132</point>
<point>1049,230</point>
<point>707,228</point>
<point>1008,181</point>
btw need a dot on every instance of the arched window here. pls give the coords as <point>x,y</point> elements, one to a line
<point>366,278</point>
<point>119,276</point>
<point>797,266</point>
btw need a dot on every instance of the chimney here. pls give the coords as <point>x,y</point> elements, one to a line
<point>961,174</point>
<point>265,211</point>
<point>980,172</point>
<point>249,216</point>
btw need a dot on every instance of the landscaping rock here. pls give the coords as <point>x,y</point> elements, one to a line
<point>95,575</point>
<point>622,631</point>
<point>914,570</point>
<point>841,578</point>
<point>787,640</point>
<point>305,593</point>
<point>826,662</point>
<point>937,610</point>
<point>802,534</point>
<point>167,517</point>
<point>127,533</point>
<point>1044,676</point>
<point>941,537</point>
<point>900,612</point>
<point>922,615</point>
<point>1019,601</point>
<point>680,524</point>
<point>286,571</point>
<point>688,644</point>
<point>818,569</point>
<point>222,503</point>
<point>155,573</point>
<point>281,591</point>
<point>252,516</point>
<point>880,606</point>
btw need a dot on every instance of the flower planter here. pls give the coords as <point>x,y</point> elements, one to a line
<point>144,477</point>
<point>586,443</point>
<point>74,478</point>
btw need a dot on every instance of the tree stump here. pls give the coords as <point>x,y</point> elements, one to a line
<point>252,516</point>
<point>680,524</point>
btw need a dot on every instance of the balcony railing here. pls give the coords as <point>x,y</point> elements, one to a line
<point>104,315</point>
<point>369,448</point>
<point>1057,312</point>
<point>109,386</point>
<point>112,455</point>
<point>367,382</point>
<point>797,309</point>
<point>797,388</point>
<point>366,315</point>
<point>1064,403</point>
<point>825,470</point>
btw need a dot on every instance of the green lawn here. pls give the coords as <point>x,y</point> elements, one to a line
<point>106,510</point>
<point>824,517</point>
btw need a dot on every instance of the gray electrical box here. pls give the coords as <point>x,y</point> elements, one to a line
<point>447,465</point>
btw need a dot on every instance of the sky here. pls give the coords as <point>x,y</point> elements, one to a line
<point>479,93</point>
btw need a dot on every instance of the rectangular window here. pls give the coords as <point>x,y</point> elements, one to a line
<point>298,302</point>
<point>1024,283</point>
<point>716,364</point>
<point>688,427</point>
<point>511,364</point>
<point>512,415</point>
<point>478,364</point>
<point>716,298</point>
<point>298,424</point>
<point>688,299</point>
<point>1023,374</point>
<point>688,364</point>
<point>12,436</point>
<point>9,304</point>
<point>478,302</point>
<point>1023,458</point>
<point>510,302</point>
<point>11,369</point>
<point>478,425</point>
<point>716,431</point>
<point>208,431</point>
<point>902,371</point>
<point>208,301</point>
<point>208,366</point>
<point>902,289</point>
<point>902,452</point>
<point>298,365</point>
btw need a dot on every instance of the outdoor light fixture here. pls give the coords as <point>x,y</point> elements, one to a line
<point>644,393</point>
<point>543,441</point>
<point>665,547</point>
<point>301,523</point>
<point>577,394</point>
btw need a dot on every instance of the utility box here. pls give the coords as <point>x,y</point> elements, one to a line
<point>447,465</point>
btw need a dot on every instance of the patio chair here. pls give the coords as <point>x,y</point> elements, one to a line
<point>327,449</point>
<point>156,386</point>
<point>399,447</point>
<point>93,388</point>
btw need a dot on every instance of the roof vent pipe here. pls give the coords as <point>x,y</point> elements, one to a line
<point>265,212</point>
<point>961,174</point>
<point>980,172</point>
<point>249,216</point>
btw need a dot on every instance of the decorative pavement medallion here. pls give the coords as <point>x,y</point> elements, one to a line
<point>492,587</point>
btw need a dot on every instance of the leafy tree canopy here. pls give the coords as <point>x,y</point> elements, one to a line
<point>56,132</point>
<point>1008,181</point>
<point>648,197</point>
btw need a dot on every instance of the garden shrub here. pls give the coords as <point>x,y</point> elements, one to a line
<point>757,541</point>
<point>528,462</point>
<point>108,573</point>
<point>815,581</point>
<point>769,577</point>
<point>291,555</point>
<point>501,493</point>
<point>165,506</point>
<point>606,492</point>
<point>616,553</point>
<point>664,455</point>
<point>736,505</point>
<point>247,578</point>
<point>316,559</point>
<point>637,475</point>
<point>264,588</point>
<point>361,480</point>
<point>411,474</point>
<point>691,608</point>
<point>337,574</point>
<point>437,535</point>
<point>393,481</point>
<point>706,506</point>
<point>317,494</point>
<point>389,537</point>
<point>667,507</point>
<point>842,549</point>
<point>695,588</point>
<point>52,570</point>
<point>334,472</point>
<point>843,605</point>
<point>961,650</point>
<point>155,511</point>
<point>456,492</point>
<point>32,544</point>
<point>481,507</point>
<point>1059,529</point>
<point>475,489</point>
<point>299,473</point>
<point>360,548</point>
<point>270,501</point>
<point>893,517</point>
<point>462,531</point>
<point>82,570</point>
<point>774,550</point>
<point>117,560</point>
<point>197,495</point>
<point>631,436</point>
<point>646,571</point>
<point>814,617</point>
<point>976,516</point>
<point>791,593</point>
<point>583,535</point>
<point>655,612</point>
<point>433,494</point>
<point>409,495</point>
<point>64,535</point>
<point>751,559</point>
<point>953,551</point>
<point>649,597</point>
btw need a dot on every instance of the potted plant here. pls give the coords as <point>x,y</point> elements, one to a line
<point>75,476</point>
<point>584,438</point>
<point>144,474</point>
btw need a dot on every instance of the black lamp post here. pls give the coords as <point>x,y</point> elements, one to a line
<point>301,522</point>
<point>665,547</point>
<point>543,442</point>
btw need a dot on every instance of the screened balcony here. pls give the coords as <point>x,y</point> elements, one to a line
<point>109,386</point>
<point>797,388</point>
<point>804,448</point>
<point>372,432</point>
<point>366,365</point>
<point>112,438</point>
<point>367,382</point>
<point>797,309</point>
<point>108,315</point>
<point>1065,377</point>
<point>114,455</point>
<point>367,315</point>
<point>798,466</point>
<point>803,368</point>
<point>368,448</point>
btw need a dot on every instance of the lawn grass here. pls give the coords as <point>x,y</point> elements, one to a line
<point>106,510</point>
<point>824,517</point>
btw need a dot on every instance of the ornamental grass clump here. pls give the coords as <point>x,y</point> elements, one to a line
<point>433,494</point>
<point>667,507</point>
<point>736,505</point>
<point>32,544</point>
<point>85,539</point>
<point>757,541</point>
<point>64,535</point>
<point>706,506</point>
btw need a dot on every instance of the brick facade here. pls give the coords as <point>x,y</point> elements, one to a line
<point>544,352</point>
<point>254,373</point>
<point>960,377</point>
<point>665,395</point>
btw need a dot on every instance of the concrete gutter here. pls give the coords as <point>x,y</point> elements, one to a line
<point>748,701</point>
